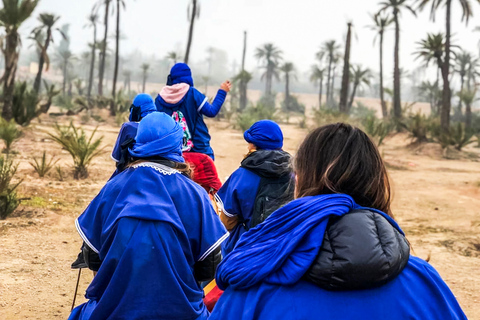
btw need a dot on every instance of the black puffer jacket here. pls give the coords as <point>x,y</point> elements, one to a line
<point>360,250</point>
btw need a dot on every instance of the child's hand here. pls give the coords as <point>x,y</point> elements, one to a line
<point>226,86</point>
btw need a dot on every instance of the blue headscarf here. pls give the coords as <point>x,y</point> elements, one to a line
<point>180,73</point>
<point>281,250</point>
<point>265,134</point>
<point>158,135</point>
<point>142,106</point>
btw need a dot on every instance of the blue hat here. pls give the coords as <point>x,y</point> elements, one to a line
<point>180,73</point>
<point>142,105</point>
<point>158,135</point>
<point>265,134</point>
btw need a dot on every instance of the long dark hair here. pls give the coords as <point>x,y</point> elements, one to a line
<point>339,158</point>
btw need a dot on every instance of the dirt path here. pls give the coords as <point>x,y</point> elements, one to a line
<point>436,203</point>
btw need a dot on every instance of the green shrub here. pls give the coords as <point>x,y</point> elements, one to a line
<point>9,133</point>
<point>324,116</point>
<point>64,102</point>
<point>24,106</point>
<point>302,124</point>
<point>120,118</point>
<point>461,136</point>
<point>8,196</point>
<point>59,173</point>
<point>42,166</point>
<point>82,149</point>
<point>293,105</point>
<point>418,126</point>
<point>361,111</point>
<point>253,114</point>
<point>377,129</point>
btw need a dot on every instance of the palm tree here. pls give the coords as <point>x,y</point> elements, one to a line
<point>127,76</point>
<point>12,15</point>
<point>193,12</point>
<point>288,70</point>
<point>396,6</point>
<point>381,23</point>
<point>113,111</point>
<point>473,72</point>
<point>430,91</point>
<point>47,21</point>
<point>145,67</point>
<point>93,19</point>
<point>468,97</point>
<point>243,78</point>
<point>317,76</point>
<point>477,29</point>
<point>65,58</point>
<point>270,56</point>
<point>346,72</point>
<point>359,77</point>
<point>329,50</point>
<point>173,56</point>
<point>463,60</point>
<point>103,51</point>
<point>466,14</point>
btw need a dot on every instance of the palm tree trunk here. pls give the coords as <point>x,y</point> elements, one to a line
<point>64,84</point>
<point>113,110</point>
<point>329,79</point>
<point>382,97</point>
<point>287,92</point>
<point>190,31</point>
<point>11,59</point>
<point>447,94</point>
<point>144,81</point>
<point>354,91</point>
<point>268,82</point>
<point>320,94</point>
<point>244,49</point>
<point>397,103</point>
<point>462,82</point>
<point>343,107</point>
<point>243,94</point>
<point>332,89</point>
<point>92,63</point>
<point>468,116</point>
<point>41,62</point>
<point>101,71</point>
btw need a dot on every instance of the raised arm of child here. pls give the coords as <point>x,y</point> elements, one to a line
<point>211,110</point>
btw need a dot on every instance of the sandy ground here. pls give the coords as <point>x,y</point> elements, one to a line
<point>436,202</point>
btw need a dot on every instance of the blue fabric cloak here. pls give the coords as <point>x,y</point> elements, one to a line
<point>149,226</point>
<point>262,277</point>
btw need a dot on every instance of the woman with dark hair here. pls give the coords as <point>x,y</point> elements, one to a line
<point>335,252</point>
<point>154,231</point>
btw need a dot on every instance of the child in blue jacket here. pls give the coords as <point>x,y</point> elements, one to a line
<point>187,106</point>
<point>262,184</point>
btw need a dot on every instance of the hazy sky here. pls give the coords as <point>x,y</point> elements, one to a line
<point>297,27</point>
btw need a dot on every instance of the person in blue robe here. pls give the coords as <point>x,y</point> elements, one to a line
<point>334,253</point>
<point>265,161</point>
<point>155,231</point>
<point>181,100</point>
<point>142,106</point>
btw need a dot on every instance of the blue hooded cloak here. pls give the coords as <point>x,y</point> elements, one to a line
<point>149,225</point>
<point>263,276</point>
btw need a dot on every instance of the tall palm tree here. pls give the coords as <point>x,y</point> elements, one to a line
<point>93,20</point>
<point>381,23</point>
<point>12,15</point>
<point>270,56</point>
<point>244,77</point>
<point>343,106</point>
<point>466,14</point>
<point>173,56</point>
<point>47,21</point>
<point>468,97</point>
<point>396,6</point>
<point>473,73</point>
<point>288,70</point>
<point>103,51</point>
<point>127,74</point>
<point>329,50</point>
<point>113,111</point>
<point>463,60</point>
<point>430,91</point>
<point>317,76</point>
<point>65,59</point>
<point>145,67</point>
<point>193,12</point>
<point>360,77</point>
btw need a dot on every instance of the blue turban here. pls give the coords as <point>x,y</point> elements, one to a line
<point>158,135</point>
<point>265,134</point>
<point>142,105</point>
<point>180,73</point>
